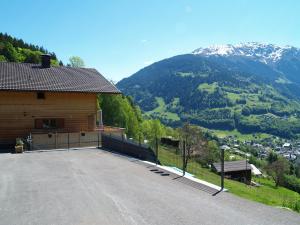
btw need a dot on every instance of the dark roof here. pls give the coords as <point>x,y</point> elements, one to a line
<point>31,77</point>
<point>230,166</point>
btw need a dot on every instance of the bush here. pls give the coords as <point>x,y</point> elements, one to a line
<point>292,182</point>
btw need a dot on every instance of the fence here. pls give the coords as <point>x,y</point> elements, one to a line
<point>65,140</point>
<point>128,147</point>
<point>42,140</point>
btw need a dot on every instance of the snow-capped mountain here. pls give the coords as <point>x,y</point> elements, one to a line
<point>204,87</point>
<point>266,53</point>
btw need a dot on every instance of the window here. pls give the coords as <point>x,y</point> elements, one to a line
<point>49,123</point>
<point>40,95</point>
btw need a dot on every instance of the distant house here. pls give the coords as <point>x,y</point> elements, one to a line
<point>225,147</point>
<point>287,146</point>
<point>236,170</point>
<point>41,99</point>
<point>257,145</point>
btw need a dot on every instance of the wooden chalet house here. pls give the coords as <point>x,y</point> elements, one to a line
<point>236,170</point>
<point>41,99</point>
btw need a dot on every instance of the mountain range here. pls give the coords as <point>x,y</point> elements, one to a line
<point>251,87</point>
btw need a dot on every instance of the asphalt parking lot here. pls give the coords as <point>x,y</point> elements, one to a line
<point>97,187</point>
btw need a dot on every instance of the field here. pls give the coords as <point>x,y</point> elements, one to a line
<point>267,193</point>
<point>162,112</point>
<point>239,136</point>
<point>209,88</point>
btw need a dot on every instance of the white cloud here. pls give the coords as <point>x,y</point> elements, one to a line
<point>144,41</point>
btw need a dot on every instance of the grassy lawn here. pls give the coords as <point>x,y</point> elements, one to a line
<point>191,74</point>
<point>162,111</point>
<point>187,74</point>
<point>239,136</point>
<point>233,96</point>
<point>210,88</point>
<point>267,193</point>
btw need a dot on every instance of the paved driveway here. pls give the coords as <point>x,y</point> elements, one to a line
<point>97,187</point>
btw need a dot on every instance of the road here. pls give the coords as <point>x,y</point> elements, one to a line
<point>97,187</point>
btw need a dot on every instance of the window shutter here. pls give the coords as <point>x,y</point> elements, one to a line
<point>38,124</point>
<point>60,123</point>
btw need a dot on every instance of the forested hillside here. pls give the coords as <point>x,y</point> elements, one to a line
<point>119,111</point>
<point>222,92</point>
<point>16,50</point>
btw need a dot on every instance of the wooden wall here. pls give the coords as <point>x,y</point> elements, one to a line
<point>18,111</point>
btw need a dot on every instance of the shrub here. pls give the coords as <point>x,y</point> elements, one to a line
<point>292,182</point>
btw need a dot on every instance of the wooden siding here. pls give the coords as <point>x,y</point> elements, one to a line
<point>18,111</point>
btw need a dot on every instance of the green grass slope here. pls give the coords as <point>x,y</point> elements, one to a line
<point>267,193</point>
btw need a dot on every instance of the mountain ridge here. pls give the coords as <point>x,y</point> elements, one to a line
<point>222,91</point>
<point>266,53</point>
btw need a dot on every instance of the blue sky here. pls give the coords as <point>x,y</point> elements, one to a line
<point>119,37</point>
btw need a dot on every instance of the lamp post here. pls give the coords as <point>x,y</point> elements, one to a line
<point>223,148</point>
<point>222,168</point>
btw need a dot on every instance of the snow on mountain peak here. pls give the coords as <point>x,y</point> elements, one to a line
<point>266,53</point>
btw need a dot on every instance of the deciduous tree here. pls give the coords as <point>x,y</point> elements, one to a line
<point>76,61</point>
<point>277,170</point>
